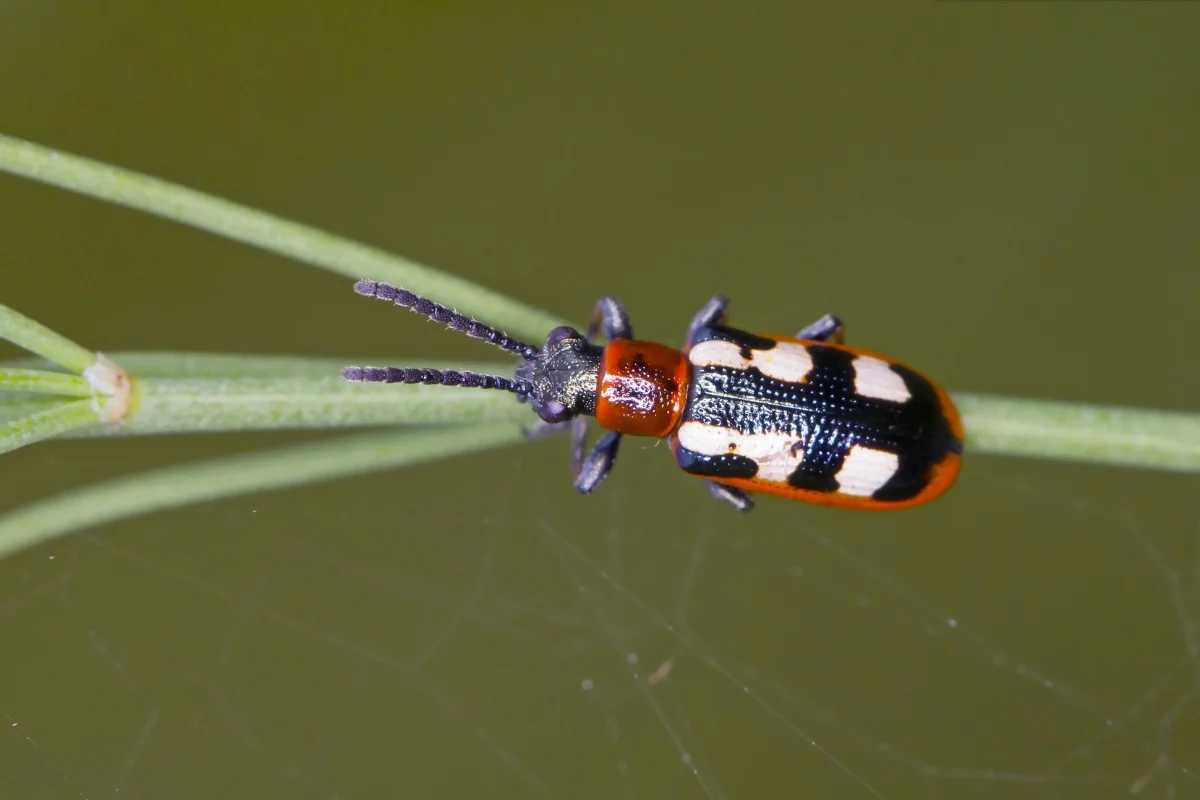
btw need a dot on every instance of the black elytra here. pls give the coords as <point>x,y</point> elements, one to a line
<point>824,412</point>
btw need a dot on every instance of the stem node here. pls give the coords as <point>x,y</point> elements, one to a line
<point>114,384</point>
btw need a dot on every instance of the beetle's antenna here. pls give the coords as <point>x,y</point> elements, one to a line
<point>439,313</point>
<point>436,377</point>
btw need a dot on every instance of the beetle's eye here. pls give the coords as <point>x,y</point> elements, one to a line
<point>561,333</point>
<point>553,411</point>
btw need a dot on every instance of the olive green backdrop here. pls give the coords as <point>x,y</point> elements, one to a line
<point>1004,195</point>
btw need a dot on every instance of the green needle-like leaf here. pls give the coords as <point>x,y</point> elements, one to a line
<point>46,422</point>
<point>40,381</point>
<point>172,487</point>
<point>268,232</point>
<point>37,338</point>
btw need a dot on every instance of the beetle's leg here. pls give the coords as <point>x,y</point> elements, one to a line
<point>579,429</point>
<point>599,463</point>
<point>728,494</point>
<point>713,313</point>
<point>609,317</point>
<point>826,328</point>
<point>587,475</point>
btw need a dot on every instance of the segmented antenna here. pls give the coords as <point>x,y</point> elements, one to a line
<point>436,377</point>
<point>439,313</point>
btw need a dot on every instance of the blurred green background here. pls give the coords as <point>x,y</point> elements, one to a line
<point>1004,195</point>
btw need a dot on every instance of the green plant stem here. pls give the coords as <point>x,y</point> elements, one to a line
<point>185,393</point>
<point>37,338</point>
<point>1078,432</point>
<point>281,392</point>
<point>299,395</point>
<point>189,405</point>
<point>268,232</point>
<point>47,422</point>
<point>172,487</point>
<point>41,381</point>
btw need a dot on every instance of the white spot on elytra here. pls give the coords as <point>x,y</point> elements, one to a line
<point>786,361</point>
<point>717,353</point>
<point>777,454</point>
<point>874,377</point>
<point>587,685</point>
<point>865,470</point>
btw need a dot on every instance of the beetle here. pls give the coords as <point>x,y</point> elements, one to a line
<point>806,417</point>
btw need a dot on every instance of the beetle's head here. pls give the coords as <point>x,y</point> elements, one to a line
<point>559,380</point>
<point>563,376</point>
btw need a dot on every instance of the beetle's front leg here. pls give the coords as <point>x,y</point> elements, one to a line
<point>609,317</point>
<point>598,464</point>
<point>579,429</point>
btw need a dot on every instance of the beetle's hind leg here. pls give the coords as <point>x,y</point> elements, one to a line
<point>728,494</point>
<point>826,328</point>
<point>713,313</point>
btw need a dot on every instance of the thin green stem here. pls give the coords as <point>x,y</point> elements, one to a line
<point>268,232</point>
<point>13,406</point>
<point>1132,437</point>
<point>188,405</point>
<point>37,338</point>
<point>231,393</point>
<point>224,365</point>
<point>44,382</point>
<point>273,393</point>
<point>45,423</point>
<point>173,487</point>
